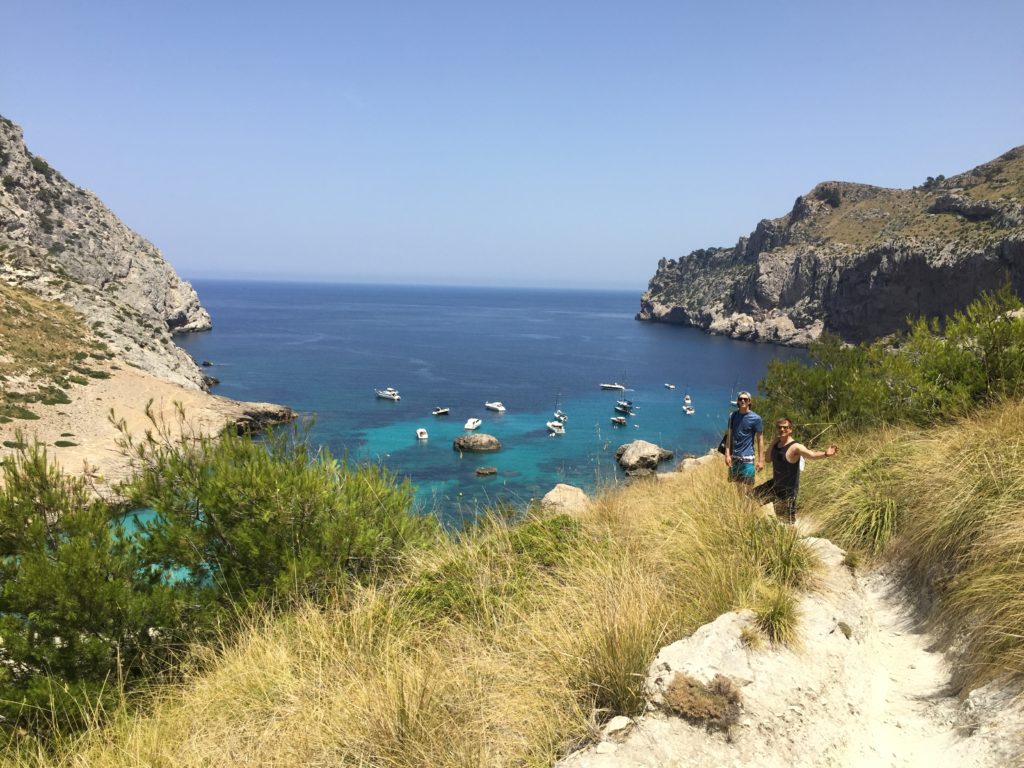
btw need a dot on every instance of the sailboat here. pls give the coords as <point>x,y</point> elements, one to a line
<point>559,414</point>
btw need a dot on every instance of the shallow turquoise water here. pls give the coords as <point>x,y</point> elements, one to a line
<point>323,348</point>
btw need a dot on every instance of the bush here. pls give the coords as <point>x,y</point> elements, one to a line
<point>830,195</point>
<point>79,611</point>
<point>89,605</point>
<point>928,375</point>
<point>249,520</point>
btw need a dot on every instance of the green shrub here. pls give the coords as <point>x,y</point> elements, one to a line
<point>930,374</point>
<point>41,166</point>
<point>65,444</point>
<point>79,611</point>
<point>17,412</point>
<point>252,520</point>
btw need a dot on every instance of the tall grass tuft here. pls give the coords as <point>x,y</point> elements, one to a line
<point>946,505</point>
<point>777,613</point>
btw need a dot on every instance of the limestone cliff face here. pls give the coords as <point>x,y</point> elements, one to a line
<point>59,241</point>
<point>854,260</point>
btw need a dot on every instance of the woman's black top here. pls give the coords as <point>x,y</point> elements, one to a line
<point>787,476</point>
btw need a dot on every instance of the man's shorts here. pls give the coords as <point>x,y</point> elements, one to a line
<point>742,472</point>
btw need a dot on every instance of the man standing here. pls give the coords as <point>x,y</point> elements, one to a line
<point>786,454</point>
<point>744,442</point>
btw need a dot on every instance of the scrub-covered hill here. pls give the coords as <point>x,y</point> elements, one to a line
<point>855,260</point>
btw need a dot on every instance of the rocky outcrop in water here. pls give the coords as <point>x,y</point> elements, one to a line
<point>641,457</point>
<point>854,260</point>
<point>60,242</point>
<point>476,443</point>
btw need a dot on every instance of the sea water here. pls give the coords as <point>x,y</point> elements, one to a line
<point>322,349</point>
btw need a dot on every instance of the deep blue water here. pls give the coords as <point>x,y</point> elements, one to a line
<point>323,348</point>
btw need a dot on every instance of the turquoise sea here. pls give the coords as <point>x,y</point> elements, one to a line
<point>323,349</point>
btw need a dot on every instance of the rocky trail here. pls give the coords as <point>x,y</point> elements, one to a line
<point>865,687</point>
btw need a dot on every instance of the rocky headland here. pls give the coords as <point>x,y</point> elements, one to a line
<point>88,312</point>
<point>60,242</point>
<point>854,260</point>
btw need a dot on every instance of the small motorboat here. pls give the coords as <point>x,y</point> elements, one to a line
<point>441,411</point>
<point>421,434</point>
<point>689,410</point>
<point>670,386</point>
<point>472,423</point>
<point>389,393</point>
<point>619,421</point>
<point>624,406</point>
<point>561,416</point>
<point>495,406</point>
<point>555,427</point>
<point>615,385</point>
<point>687,400</point>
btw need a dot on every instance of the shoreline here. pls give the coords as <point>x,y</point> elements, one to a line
<point>86,421</point>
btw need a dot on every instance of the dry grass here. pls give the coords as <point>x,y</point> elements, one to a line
<point>504,648</point>
<point>947,505</point>
<point>44,348</point>
<point>715,706</point>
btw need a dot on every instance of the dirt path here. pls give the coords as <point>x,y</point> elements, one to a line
<point>865,688</point>
<point>910,714</point>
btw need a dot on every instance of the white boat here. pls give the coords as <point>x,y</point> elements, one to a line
<point>615,385</point>
<point>687,400</point>
<point>624,406</point>
<point>472,423</point>
<point>439,411</point>
<point>495,406</point>
<point>619,421</point>
<point>670,386</point>
<point>555,427</point>
<point>389,393</point>
<point>559,414</point>
<point>689,410</point>
<point>421,434</point>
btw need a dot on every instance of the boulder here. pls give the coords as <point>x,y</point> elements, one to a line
<point>476,443</point>
<point>485,471</point>
<point>692,462</point>
<point>641,455</point>
<point>565,498</point>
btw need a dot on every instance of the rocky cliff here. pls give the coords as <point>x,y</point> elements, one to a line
<point>854,260</point>
<point>60,242</point>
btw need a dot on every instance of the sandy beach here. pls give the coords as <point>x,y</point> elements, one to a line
<point>86,420</point>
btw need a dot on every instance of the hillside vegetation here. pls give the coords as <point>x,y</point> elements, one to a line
<point>45,348</point>
<point>855,260</point>
<point>60,242</point>
<point>511,642</point>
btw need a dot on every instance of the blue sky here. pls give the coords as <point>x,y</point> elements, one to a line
<point>561,144</point>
